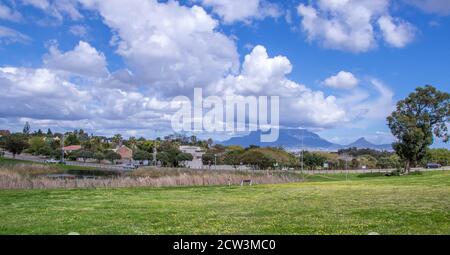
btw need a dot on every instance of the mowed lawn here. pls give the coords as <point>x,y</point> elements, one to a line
<point>418,204</point>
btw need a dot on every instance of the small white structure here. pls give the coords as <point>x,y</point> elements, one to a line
<point>197,154</point>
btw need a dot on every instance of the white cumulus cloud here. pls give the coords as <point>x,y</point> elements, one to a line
<point>168,49</point>
<point>262,75</point>
<point>396,33</point>
<point>48,95</point>
<point>342,80</point>
<point>83,60</point>
<point>350,25</point>
<point>231,11</point>
<point>167,45</point>
<point>39,93</point>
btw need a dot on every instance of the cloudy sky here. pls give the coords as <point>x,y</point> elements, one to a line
<point>113,66</point>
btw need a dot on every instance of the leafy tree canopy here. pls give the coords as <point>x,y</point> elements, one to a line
<point>16,143</point>
<point>417,118</point>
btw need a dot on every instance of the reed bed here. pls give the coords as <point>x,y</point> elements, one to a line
<point>11,179</point>
<point>26,169</point>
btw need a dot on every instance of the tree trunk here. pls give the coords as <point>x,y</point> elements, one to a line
<point>407,166</point>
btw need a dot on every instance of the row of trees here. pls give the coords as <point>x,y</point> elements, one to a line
<point>277,158</point>
<point>98,147</point>
<point>360,158</point>
<point>253,156</point>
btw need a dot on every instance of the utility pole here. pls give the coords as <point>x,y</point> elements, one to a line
<point>62,149</point>
<point>215,161</point>
<point>346,157</point>
<point>346,166</point>
<point>154,154</point>
<point>155,151</point>
<point>303,149</point>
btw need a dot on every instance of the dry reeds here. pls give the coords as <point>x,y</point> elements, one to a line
<point>30,169</point>
<point>10,179</point>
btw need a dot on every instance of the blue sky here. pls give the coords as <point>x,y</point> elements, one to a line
<point>339,66</point>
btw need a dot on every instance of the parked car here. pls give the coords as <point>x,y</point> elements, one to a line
<point>52,161</point>
<point>129,167</point>
<point>432,166</point>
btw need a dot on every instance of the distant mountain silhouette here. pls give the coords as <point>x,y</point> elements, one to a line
<point>362,143</point>
<point>291,139</point>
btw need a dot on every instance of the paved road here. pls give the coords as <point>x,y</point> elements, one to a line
<point>111,167</point>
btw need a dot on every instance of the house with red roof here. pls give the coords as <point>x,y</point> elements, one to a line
<point>71,148</point>
<point>4,133</point>
<point>125,153</point>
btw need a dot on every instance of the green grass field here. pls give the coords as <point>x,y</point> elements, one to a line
<point>418,204</point>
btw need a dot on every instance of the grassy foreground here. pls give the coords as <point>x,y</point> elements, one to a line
<point>418,204</point>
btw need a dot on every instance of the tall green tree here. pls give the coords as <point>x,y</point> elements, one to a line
<point>233,157</point>
<point>85,155</point>
<point>117,139</point>
<point>313,160</point>
<point>209,158</point>
<point>36,143</point>
<point>142,155</point>
<point>71,139</point>
<point>417,118</point>
<point>27,128</point>
<point>99,156</point>
<point>184,157</point>
<point>257,159</point>
<point>439,156</point>
<point>112,156</point>
<point>15,144</point>
<point>210,142</point>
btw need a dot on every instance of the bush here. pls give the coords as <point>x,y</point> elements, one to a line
<point>368,175</point>
<point>437,156</point>
<point>257,159</point>
<point>112,156</point>
<point>184,157</point>
<point>142,155</point>
<point>396,172</point>
<point>99,156</point>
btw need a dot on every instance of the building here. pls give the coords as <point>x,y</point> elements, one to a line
<point>71,148</point>
<point>197,154</point>
<point>125,153</point>
<point>4,133</point>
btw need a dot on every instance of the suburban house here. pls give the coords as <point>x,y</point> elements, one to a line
<point>125,153</point>
<point>4,133</point>
<point>71,148</point>
<point>197,153</point>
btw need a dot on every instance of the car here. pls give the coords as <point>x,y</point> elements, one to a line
<point>432,165</point>
<point>129,167</point>
<point>52,161</point>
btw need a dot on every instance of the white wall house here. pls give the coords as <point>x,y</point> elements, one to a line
<point>197,153</point>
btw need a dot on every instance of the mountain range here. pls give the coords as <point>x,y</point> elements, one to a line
<point>296,139</point>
